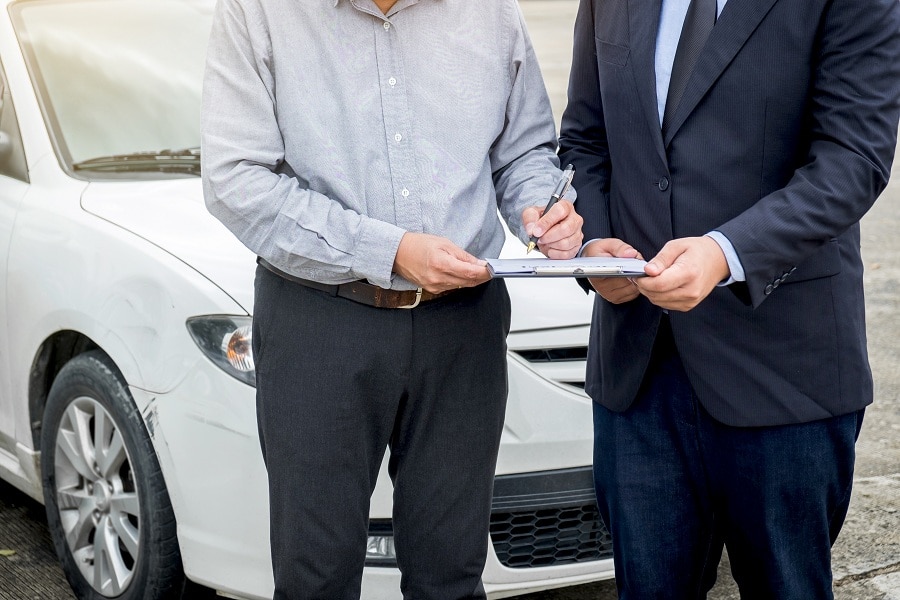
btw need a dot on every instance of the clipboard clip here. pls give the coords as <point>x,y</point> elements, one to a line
<point>587,272</point>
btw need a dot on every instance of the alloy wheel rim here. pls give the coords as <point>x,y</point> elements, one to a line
<point>97,496</point>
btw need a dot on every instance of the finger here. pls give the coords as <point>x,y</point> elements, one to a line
<point>627,291</point>
<point>559,213</point>
<point>564,249</point>
<point>556,238</point>
<point>664,259</point>
<point>563,234</point>
<point>610,247</point>
<point>473,260</point>
<point>673,305</point>
<point>476,279</point>
<point>465,275</point>
<point>626,251</point>
<point>462,272</point>
<point>615,295</point>
<point>676,277</point>
<point>608,286</point>
<point>459,254</point>
<point>624,296</point>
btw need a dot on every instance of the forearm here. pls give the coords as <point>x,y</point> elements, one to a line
<point>523,160</point>
<point>852,133</point>
<point>298,230</point>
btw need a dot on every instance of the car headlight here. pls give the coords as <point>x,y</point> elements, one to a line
<point>228,342</point>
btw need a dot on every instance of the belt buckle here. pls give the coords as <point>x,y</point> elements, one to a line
<point>416,303</point>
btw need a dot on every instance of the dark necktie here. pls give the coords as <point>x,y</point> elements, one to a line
<point>699,21</point>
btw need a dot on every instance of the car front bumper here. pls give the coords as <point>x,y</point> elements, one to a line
<point>206,438</point>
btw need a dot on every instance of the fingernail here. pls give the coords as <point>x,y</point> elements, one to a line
<point>537,232</point>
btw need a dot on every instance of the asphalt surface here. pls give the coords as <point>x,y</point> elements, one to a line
<point>867,555</point>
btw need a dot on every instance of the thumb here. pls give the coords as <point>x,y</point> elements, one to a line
<point>662,261</point>
<point>460,254</point>
<point>530,216</point>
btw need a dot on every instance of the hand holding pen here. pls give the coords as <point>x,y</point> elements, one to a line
<point>565,232</point>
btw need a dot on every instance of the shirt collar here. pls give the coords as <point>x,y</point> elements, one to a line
<point>336,2</point>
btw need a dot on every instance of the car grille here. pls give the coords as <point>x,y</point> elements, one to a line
<point>554,354</point>
<point>547,519</point>
<point>562,365</point>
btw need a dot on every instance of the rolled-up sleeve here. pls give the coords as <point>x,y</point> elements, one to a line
<point>247,185</point>
<point>523,158</point>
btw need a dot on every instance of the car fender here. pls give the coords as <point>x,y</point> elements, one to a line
<point>128,296</point>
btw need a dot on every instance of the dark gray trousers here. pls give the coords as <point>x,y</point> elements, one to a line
<point>337,383</point>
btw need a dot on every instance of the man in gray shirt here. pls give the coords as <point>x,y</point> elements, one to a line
<point>361,148</point>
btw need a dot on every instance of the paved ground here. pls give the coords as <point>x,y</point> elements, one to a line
<point>866,557</point>
<point>31,573</point>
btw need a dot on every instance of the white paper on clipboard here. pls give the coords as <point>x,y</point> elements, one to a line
<point>585,266</point>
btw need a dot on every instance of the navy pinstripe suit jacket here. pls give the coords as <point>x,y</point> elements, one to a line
<point>782,141</point>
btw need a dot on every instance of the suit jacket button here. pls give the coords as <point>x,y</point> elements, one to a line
<point>769,289</point>
<point>663,184</point>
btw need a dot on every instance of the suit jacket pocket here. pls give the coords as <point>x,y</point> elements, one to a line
<point>824,263</point>
<point>612,53</point>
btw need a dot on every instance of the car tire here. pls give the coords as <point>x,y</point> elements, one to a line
<point>108,509</point>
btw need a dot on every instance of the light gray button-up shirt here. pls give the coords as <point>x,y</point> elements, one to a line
<point>329,129</point>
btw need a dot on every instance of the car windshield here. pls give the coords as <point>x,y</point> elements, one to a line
<point>118,78</point>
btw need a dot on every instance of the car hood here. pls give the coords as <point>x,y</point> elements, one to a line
<point>172,215</point>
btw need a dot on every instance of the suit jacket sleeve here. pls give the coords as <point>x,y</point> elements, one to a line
<point>852,127</point>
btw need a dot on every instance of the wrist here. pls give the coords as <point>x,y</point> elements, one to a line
<point>401,257</point>
<point>719,261</point>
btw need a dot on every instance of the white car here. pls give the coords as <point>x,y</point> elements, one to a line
<point>126,379</point>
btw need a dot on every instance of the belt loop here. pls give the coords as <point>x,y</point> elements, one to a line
<point>418,299</point>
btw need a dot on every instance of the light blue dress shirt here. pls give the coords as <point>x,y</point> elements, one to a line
<point>671,20</point>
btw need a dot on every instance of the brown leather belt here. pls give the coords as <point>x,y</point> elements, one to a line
<point>361,291</point>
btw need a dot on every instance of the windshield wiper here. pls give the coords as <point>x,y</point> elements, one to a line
<point>185,161</point>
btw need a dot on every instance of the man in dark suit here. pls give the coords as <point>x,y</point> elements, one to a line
<point>736,145</point>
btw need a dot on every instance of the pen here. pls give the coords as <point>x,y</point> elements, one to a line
<point>561,188</point>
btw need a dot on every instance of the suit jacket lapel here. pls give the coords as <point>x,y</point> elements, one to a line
<point>739,19</point>
<point>643,28</point>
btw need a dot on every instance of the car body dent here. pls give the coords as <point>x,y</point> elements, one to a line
<point>120,291</point>
<point>166,213</point>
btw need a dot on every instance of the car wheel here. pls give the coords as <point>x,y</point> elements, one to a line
<point>107,506</point>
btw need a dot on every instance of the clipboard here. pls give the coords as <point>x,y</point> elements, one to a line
<point>585,266</point>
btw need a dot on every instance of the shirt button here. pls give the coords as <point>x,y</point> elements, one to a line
<point>405,193</point>
<point>392,81</point>
<point>387,25</point>
<point>663,184</point>
<point>397,137</point>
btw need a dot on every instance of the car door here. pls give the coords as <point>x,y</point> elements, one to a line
<point>13,185</point>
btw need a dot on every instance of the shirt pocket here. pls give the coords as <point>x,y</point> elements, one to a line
<point>613,54</point>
